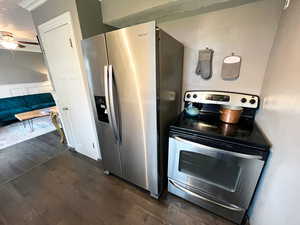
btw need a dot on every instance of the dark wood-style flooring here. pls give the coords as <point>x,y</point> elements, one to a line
<point>69,189</point>
<point>21,158</point>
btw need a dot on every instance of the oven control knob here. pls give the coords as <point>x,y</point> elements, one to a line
<point>188,95</point>
<point>243,100</point>
<point>252,101</point>
<point>194,96</point>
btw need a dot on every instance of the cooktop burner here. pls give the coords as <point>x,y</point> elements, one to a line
<point>208,124</point>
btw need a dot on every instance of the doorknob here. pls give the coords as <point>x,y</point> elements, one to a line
<point>65,108</point>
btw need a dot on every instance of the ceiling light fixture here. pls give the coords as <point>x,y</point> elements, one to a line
<point>8,44</point>
<point>7,40</point>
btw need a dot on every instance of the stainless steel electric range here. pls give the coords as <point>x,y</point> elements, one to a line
<point>213,164</point>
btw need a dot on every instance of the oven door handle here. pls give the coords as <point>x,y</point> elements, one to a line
<point>236,154</point>
<point>226,206</point>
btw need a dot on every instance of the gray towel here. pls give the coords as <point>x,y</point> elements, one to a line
<point>231,67</point>
<point>204,67</point>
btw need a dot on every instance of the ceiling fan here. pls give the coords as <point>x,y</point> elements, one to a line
<point>7,40</point>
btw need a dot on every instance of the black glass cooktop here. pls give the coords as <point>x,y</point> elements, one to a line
<point>246,132</point>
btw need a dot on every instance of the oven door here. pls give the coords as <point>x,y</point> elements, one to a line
<point>227,179</point>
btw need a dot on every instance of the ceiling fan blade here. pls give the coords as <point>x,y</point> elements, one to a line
<point>21,46</point>
<point>28,43</point>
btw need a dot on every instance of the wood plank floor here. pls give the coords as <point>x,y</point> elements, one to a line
<point>72,190</point>
<point>21,158</point>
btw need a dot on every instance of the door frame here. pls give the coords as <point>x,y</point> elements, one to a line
<point>61,20</point>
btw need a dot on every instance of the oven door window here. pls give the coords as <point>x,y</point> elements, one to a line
<point>214,171</point>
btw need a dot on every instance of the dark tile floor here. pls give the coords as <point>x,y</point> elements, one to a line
<point>71,190</point>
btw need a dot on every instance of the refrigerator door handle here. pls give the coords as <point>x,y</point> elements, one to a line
<point>107,99</point>
<point>114,123</point>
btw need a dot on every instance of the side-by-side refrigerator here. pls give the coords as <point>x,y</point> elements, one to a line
<point>135,76</point>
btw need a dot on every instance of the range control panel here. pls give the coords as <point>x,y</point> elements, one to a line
<point>222,98</point>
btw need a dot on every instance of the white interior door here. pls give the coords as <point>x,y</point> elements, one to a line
<point>72,98</point>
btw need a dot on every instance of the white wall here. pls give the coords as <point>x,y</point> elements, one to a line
<point>12,90</point>
<point>246,30</point>
<point>22,73</point>
<point>21,67</point>
<point>278,199</point>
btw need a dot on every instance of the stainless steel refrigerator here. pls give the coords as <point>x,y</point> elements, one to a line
<point>135,76</point>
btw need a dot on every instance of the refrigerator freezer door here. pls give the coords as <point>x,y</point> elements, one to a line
<point>95,59</point>
<point>131,53</point>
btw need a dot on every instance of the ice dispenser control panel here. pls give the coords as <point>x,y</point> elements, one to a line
<point>101,108</point>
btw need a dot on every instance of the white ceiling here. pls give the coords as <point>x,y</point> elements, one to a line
<point>17,20</point>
